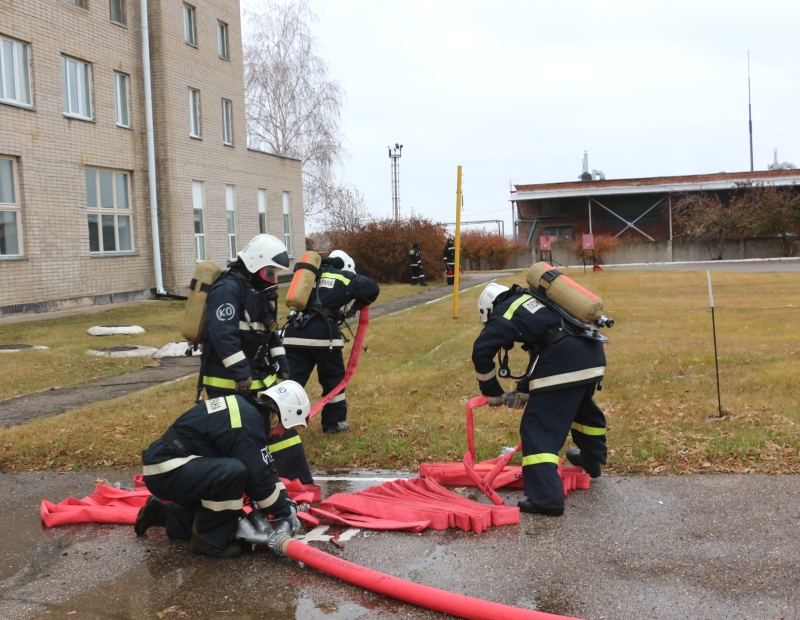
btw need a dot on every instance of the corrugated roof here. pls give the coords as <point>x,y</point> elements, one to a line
<point>698,182</point>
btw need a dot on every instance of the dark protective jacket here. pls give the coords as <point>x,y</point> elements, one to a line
<point>240,320</point>
<point>415,257</point>
<point>449,254</point>
<point>336,288</point>
<point>557,361</point>
<point>225,427</point>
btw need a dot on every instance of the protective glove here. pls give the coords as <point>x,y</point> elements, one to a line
<point>496,401</point>
<point>289,515</point>
<point>516,400</point>
<point>244,385</point>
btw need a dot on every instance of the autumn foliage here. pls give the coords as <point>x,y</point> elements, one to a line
<point>487,250</point>
<point>602,244</point>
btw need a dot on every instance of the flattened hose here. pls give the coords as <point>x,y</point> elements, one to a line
<point>417,594</point>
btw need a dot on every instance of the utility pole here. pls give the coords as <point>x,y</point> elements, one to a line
<point>394,155</point>
<point>749,111</point>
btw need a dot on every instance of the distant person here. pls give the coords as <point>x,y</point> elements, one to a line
<point>210,457</point>
<point>415,259</point>
<point>556,393</point>
<point>314,338</point>
<point>449,258</point>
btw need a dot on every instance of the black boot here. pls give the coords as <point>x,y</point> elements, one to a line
<point>203,547</point>
<point>590,466</point>
<point>526,505</point>
<point>154,512</point>
<point>339,427</point>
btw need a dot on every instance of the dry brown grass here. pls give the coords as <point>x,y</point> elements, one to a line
<point>406,403</point>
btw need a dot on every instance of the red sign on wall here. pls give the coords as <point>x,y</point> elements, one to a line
<point>545,243</point>
<point>588,242</point>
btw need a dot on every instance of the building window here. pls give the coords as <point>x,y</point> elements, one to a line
<point>118,11</point>
<point>10,209</point>
<point>227,122</point>
<point>76,86</point>
<point>80,3</point>
<point>262,211</point>
<point>194,113</point>
<point>190,24</point>
<point>560,232</point>
<point>109,211</point>
<point>121,88</point>
<point>287,224</point>
<point>222,38</point>
<point>199,225</point>
<point>15,72</point>
<point>230,207</point>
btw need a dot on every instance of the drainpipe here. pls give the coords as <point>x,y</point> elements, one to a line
<point>151,150</point>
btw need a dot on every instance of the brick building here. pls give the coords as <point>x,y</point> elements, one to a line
<point>76,226</point>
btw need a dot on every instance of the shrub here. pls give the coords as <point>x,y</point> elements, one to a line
<point>380,248</point>
<point>487,250</point>
<point>602,244</point>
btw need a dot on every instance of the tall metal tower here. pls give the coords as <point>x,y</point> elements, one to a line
<point>394,155</point>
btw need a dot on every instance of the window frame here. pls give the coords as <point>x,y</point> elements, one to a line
<point>230,219</point>
<point>65,88</point>
<point>122,21</point>
<point>199,237</point>
<point>223,42</point>
<point>287,222</point>
<point>195,111</point>
<point>190,24</point>
<point>262,211</point>
<point>82,4</point>
<point>16,63</point>
<point>101,212</point>
<point>227,122</point>
<point>123,78</point>
<point>15,208</point>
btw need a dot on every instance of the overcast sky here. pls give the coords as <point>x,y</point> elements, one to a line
<point>517,90</point>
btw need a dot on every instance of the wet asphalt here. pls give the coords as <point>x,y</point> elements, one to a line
<point>705,547</point>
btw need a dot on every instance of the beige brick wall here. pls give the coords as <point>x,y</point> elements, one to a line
<point>53,151</point>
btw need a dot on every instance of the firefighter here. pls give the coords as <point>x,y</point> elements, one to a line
<point>313,337</point>
<point>243,351</point>
<point>449,258</point>
<point>415,259</point>
<point>209,458</point>
<point>556,392</point>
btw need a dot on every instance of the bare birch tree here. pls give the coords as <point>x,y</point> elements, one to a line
<point>293,108</point>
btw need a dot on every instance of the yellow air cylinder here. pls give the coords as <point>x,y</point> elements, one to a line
<point>571,296</point>
<point>305,276</point>
<point>194,318</point>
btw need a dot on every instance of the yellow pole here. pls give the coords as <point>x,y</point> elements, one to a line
<point>457,264</point>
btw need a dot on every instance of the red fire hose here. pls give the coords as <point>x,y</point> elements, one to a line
<point>352,361</point>
<point>417,594</point>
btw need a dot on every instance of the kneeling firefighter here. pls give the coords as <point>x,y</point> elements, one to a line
<point>566,366</point>
<point>242,351</point>
<point>313,337</point>
<point>210,457</point>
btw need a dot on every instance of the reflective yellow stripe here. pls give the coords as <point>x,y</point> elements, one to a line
<point>513,307</point>
<point>231,504</point>
<point>230,384</point>
<point>486,376</point>
<point>336,276</point>
<point>163,468</point>
<point>233,407</point>
<point>567,377</point>
<point>286,443</point>
<point>536,459</point>
<point>266,503</point>
<point>588,430</point>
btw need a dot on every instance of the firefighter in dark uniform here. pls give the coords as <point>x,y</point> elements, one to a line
<point>449,258</point>
<point>213,455</point>
<point>313,337</point>
<point>243,351</point>
<point>556,392</point>
<point>415,260</point>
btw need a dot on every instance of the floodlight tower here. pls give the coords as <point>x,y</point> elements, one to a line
<point>394,155</point>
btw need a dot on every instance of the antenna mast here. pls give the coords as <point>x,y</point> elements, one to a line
<point>749,111</point>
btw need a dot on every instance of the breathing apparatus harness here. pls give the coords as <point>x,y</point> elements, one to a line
<point>568,326</point>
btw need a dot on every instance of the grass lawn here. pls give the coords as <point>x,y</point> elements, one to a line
<point>406,402</point>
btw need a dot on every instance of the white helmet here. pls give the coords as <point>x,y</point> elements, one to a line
<point>264,251</point>
<point>486,300</point>
<point>290,400</point>
<point>349,263</point>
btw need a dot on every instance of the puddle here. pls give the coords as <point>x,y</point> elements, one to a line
<point>438,553</point>
<point>307,609</point>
